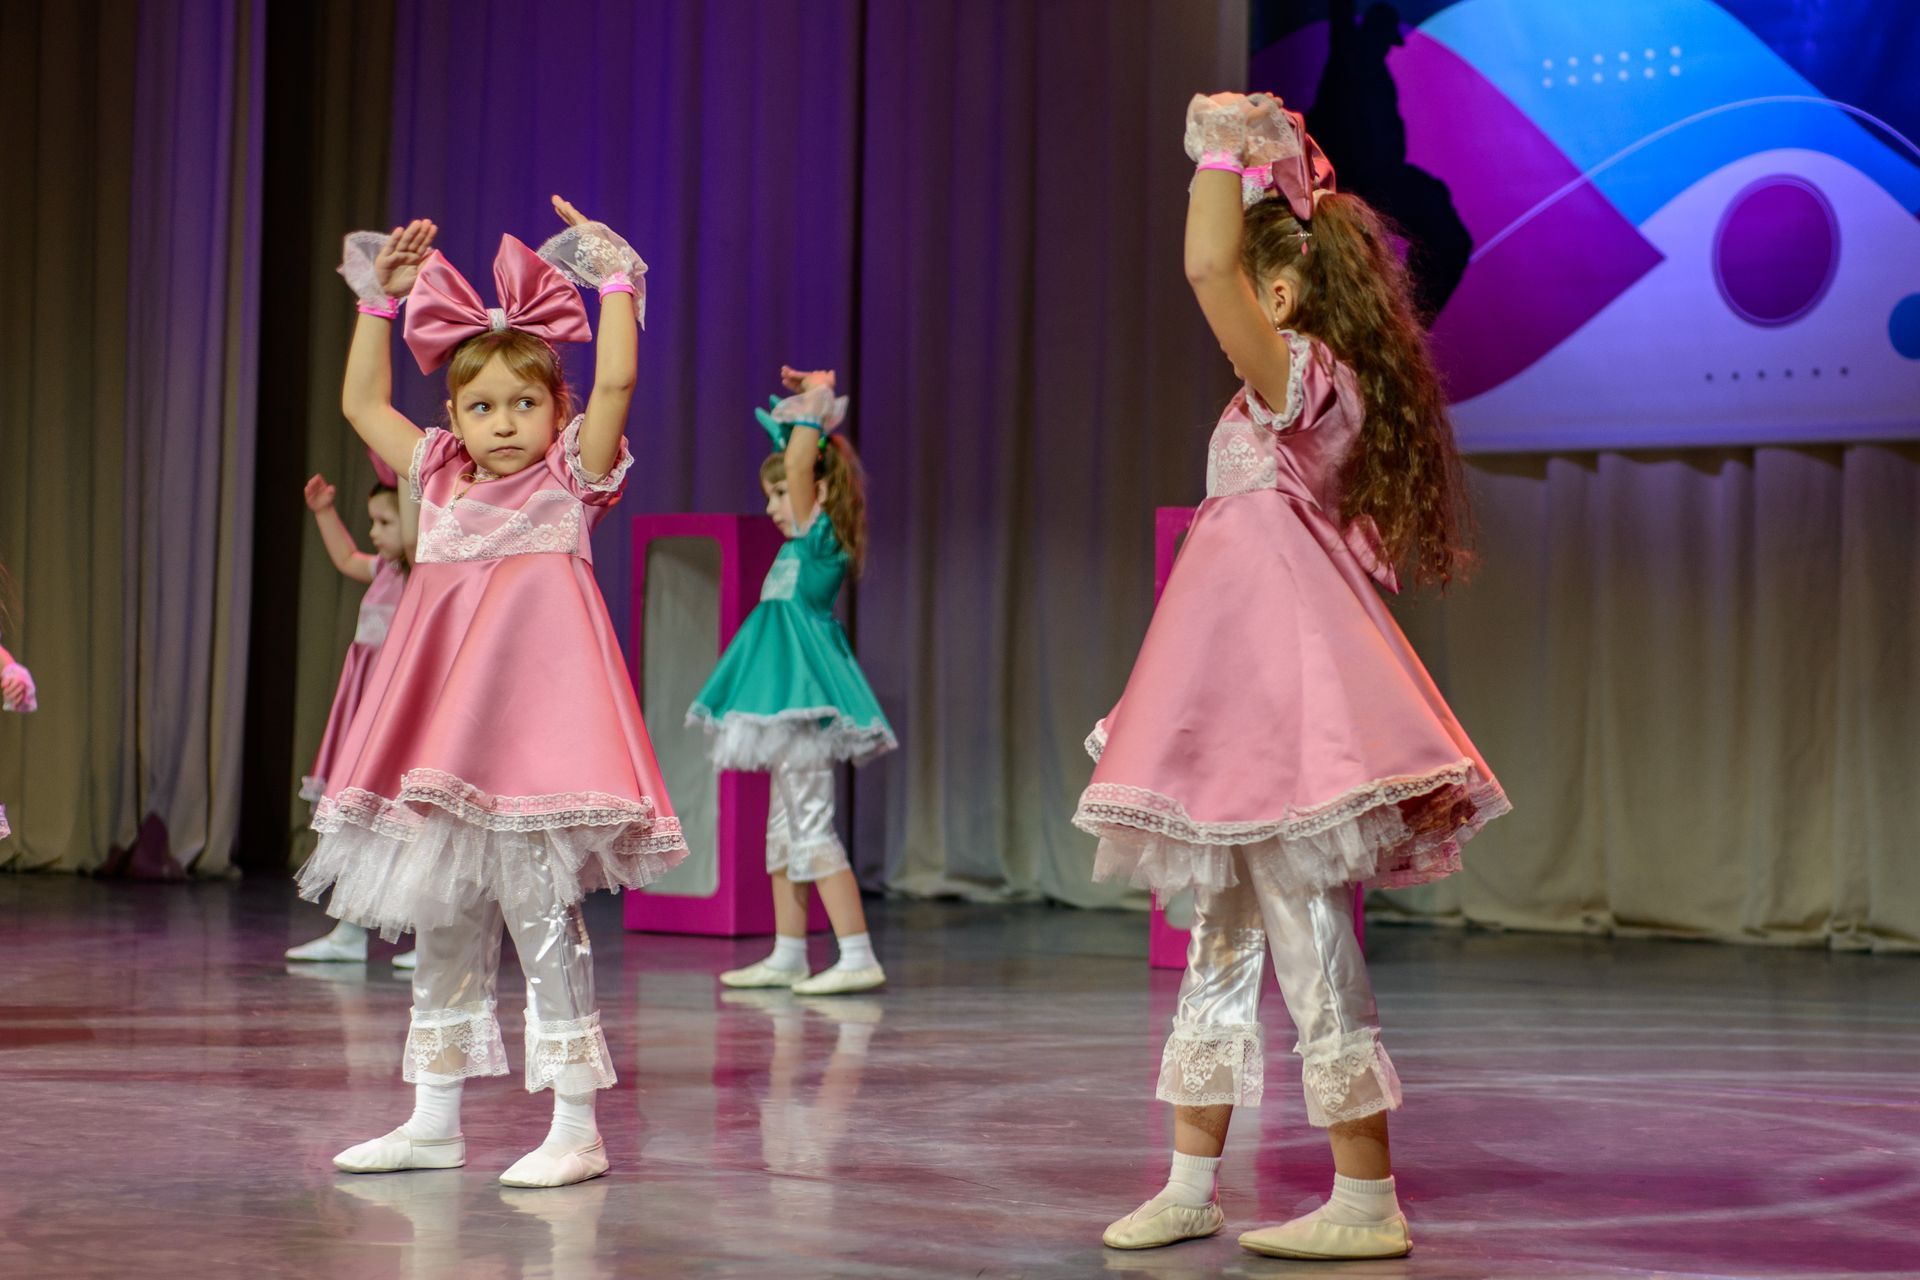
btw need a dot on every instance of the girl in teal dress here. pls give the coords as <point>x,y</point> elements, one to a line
<point>789,698</point>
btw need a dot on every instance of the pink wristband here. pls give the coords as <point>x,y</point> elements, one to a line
<point>1224,160</point>
<point>387,312</point>
<point>616,283</point>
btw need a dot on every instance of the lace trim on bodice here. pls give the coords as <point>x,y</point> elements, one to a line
<point>783,579</point>
<point>551,523</point>
<point>1241,456</point>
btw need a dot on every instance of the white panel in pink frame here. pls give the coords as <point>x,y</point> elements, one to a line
<point>741,904</point>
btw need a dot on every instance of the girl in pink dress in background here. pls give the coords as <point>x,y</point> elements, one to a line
<point>1279,742</point>
<point>17,692</point>
<point>498,769</point>
<point>385,573</point>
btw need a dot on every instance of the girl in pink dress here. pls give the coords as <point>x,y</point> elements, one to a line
<point>385,573</point>
<point>498,769</point>
<point>1279,741</point>
<point>17,692</point>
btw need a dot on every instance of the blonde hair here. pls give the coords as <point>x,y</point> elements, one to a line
<point>846,499</point>
<point>527,357</point>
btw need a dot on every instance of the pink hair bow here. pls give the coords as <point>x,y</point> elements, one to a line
<point>443,310</point>
<point>1298,173</point>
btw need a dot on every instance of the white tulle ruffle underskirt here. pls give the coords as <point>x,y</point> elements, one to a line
<point>428,857</point>
<point>1389,834</point>
<point>805,738</point>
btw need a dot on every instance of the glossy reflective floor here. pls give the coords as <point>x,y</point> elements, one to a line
<point>173,1090</point>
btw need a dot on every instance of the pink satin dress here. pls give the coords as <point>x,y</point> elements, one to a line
<point>377,607</point>
<point>499,752</point>
<point>1275,705</point>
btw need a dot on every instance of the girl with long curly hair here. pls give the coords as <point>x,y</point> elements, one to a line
<point>1279,743</point>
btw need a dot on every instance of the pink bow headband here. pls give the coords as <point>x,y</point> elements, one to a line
<point>1299,177</point>
<point>443,310</point>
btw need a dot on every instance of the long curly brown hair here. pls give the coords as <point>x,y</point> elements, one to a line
<point>1356,298</point>
<point>846,500</point>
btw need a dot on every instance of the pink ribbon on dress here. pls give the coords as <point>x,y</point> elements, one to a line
<point>443,310</point>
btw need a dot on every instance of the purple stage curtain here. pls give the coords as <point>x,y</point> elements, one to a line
<point>971,209</point>
<point>133,252</point>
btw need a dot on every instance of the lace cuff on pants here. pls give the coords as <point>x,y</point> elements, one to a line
<point>1213,1066</point>
<point>570,1055</point>
<point>446,1046</point>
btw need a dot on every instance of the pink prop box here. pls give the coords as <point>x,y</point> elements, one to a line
<point>742,902</point>
<point>1167,943</point>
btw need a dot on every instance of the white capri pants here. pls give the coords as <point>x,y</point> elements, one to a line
<point>454,1032</point>
<point>801,841</point>
<point>1215,1054</point>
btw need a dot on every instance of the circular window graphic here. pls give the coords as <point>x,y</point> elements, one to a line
<point>1776,250</point>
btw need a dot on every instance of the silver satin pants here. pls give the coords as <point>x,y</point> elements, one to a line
<point>454,1032</point>
<point>801,840</point>
<point>1215,1055</point>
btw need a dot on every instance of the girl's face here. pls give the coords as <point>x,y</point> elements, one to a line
<point>505,422</point>
<point>383,510</point>
<point>779,510</point>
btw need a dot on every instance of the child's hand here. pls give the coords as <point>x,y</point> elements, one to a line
<point>15,683</point>
<point>401,258</point>
<point>796,381</point>
<point>568,214</point>
<point>319,494</point>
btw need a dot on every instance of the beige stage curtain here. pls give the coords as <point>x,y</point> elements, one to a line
<point>1034,379</point>
<point>350,100</point>
<point>1698,676</point>
<point>129,238</point>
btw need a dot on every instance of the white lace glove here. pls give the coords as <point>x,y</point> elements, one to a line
<point>1271,135</point>
<point>356,268</point>
<point>27,699</point>
<point>1217,127</point>
<point>594,256</point>
<point>814,407</point>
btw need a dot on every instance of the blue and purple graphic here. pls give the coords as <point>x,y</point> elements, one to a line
<point>1644,222</point>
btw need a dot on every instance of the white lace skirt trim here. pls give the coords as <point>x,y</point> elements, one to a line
<point>1348,1078</point>
<point>425,859</point>
<point>804,738</point>
<point>1364,836</point>
<point>446,1046</point>
<point>569,1056</point>
<point>1207,1065</point>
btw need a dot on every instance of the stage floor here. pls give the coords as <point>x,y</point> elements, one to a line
<point>173,1091</point>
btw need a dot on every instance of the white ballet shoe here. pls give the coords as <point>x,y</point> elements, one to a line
<point>546,1166</point>
<point>762,974</point>
<point>1312,1236</point>
<point>331,949</point>
<point>399,1150</point>
<point>840,982</point>
<point>407,960</point>
<point>1162,1222</point>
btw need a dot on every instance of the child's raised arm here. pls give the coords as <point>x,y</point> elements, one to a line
<point>803,444</point>
<point>601,260</point>
<point>366,395</point>
<point>341,548</point>
<point>1216,127</point>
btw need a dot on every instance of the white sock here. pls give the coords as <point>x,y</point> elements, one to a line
<point>1361,1202</point>
<point>346,931</point>
<point>856,952</point>
<point>788,953</point>
<point>1191,1181</point>
<point>436,1112</point>
<point>573,1123</point>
